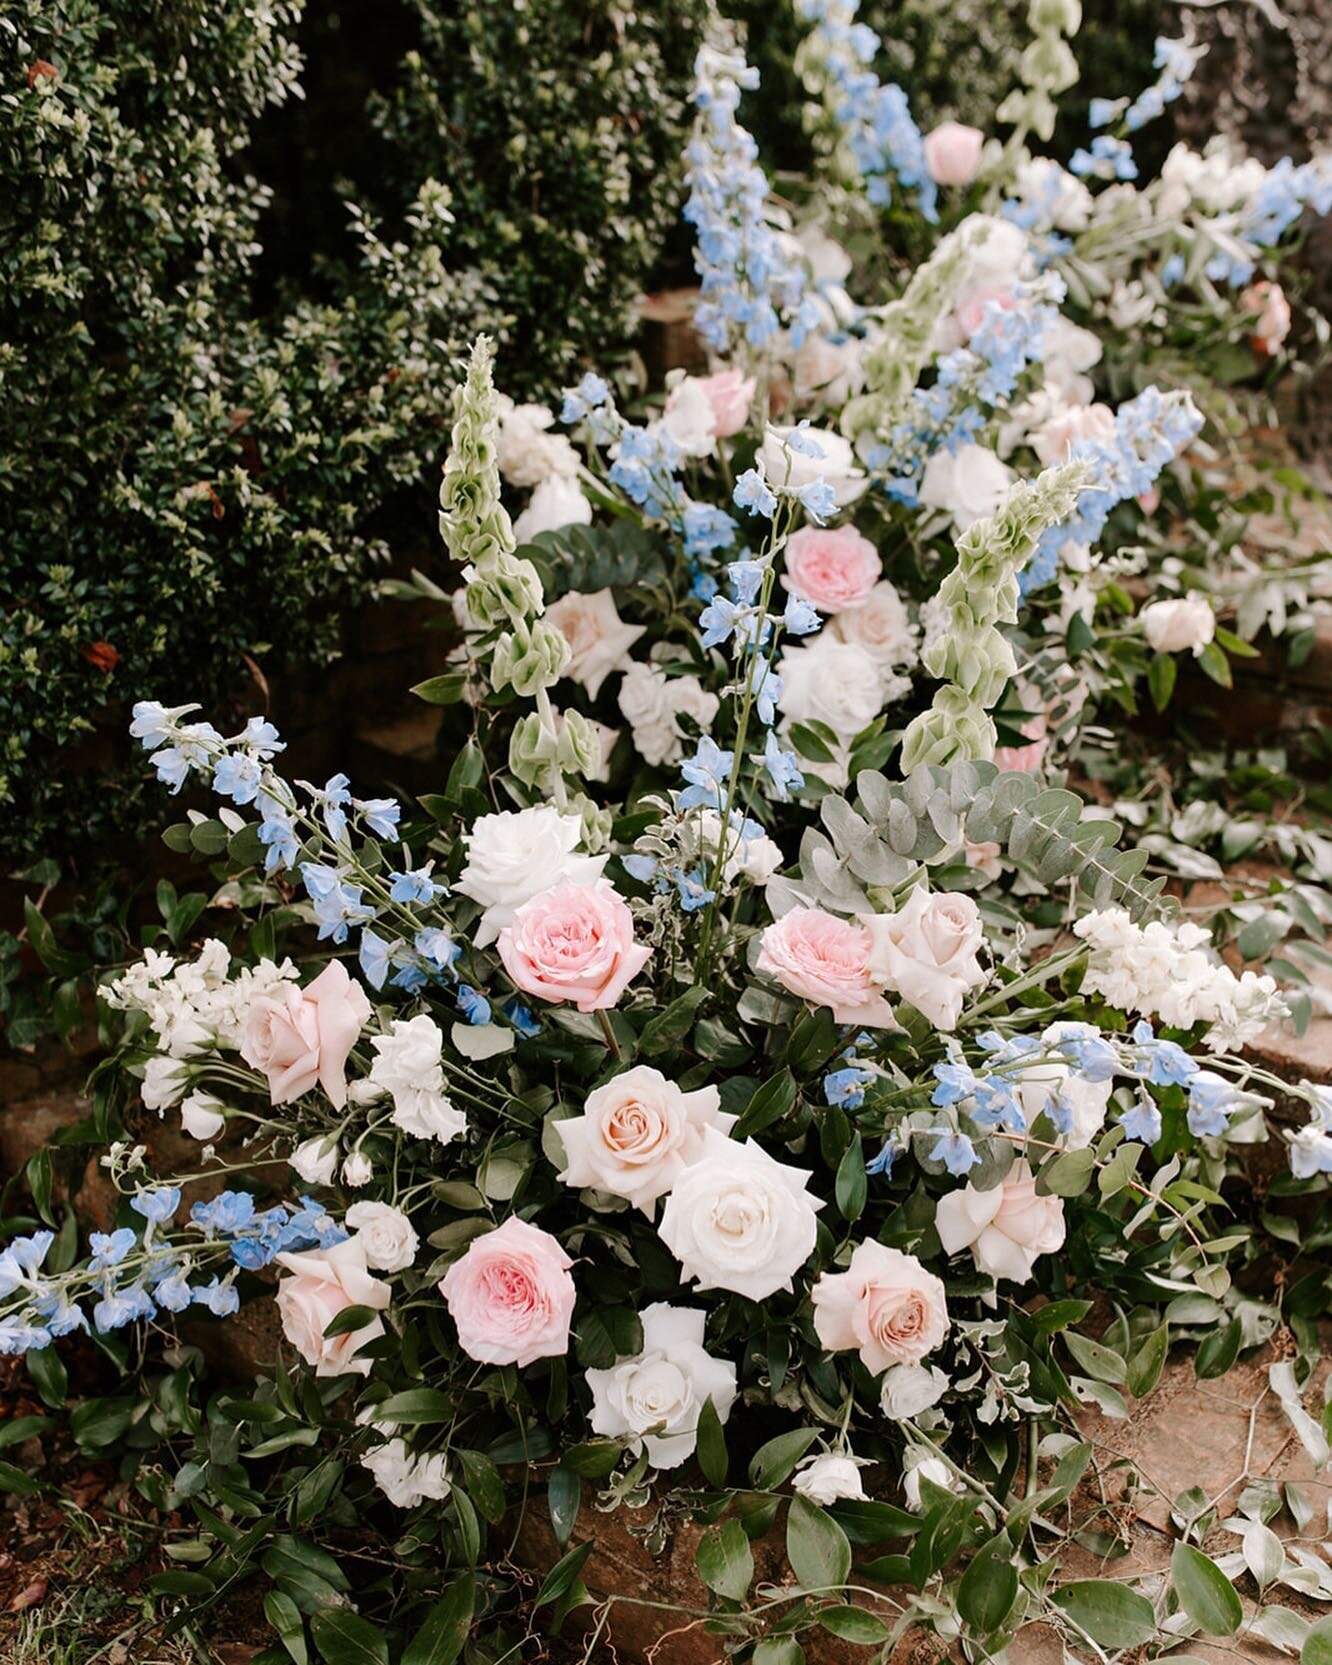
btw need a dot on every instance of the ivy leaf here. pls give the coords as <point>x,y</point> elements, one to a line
<point>816,1547</point>
<point>711,1451</point>
<point>989,1587</point>
<point>725,1561</point>
<point>445,1630</point>
<point>1110,1613</point>
<point>344,1638</point>
<point>1204,1591</point>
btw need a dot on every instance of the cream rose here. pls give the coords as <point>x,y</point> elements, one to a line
<point>320,1284</point>
<point>599,639</point>
<point>316,1161</point>
<point>386,1235</point>
<point>1184,622</point>
<point>1269,304</point>
<point>300,1037</point>
<point>953,153</point>
<point>637,1134</point>
<point>1054,440</point>
<point>878,626</point>
<point>1007,1228</point>
<point>514,855</point>
<point>690,418</point>
<point>790,470</point>
<point>528,452</point>
<point>653,703</point>
<point>657,1396</point>
<point>885,1305</point>
<point>738,1219</point>
<point>557,501</point>
<point>926,952</point>
<point>832,682</point>
<point>730,393</point>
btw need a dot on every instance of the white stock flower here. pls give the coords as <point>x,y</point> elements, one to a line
<point>829,1476</point>
<point>968,484</point>
<point>164,1083</point>
<point>514,855</point>
<point>528,452</point>
<point>316,1161</point>
<point>738,1219</point>
<point>407,1067</point>
<point>637,1134</point>
<point>404,1479</point>
<point>385,1233</point>
<point>357,1170</point>
<point>655,1398</point>
<point>755,859</point>
<point>652,704</point>
<point>1070,351</point>
<point>557,501</point>
<point>933,1469</point>
<point>599,639</point>
<point>201,1116</point>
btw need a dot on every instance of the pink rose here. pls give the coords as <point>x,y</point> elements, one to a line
<point>1268,303</point>
<point>1007,1228</point>
<point>1149,501</point>
<point>971,311</point>
<point>730,393</point>
<point>825,960</point>
<point>953,153</point>
<point>323,1283</point>
<point>511,1295</point>
<point>575,942</point>
<point>983,856</point>
<point>832,567</point>
<point>297,1037</point>
<point>1025,760</point>
<point>885,1304</point>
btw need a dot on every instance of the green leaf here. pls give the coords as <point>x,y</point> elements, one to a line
<point>1101,1362</point>
<point>1068,1175</point>
<point>1217,1351</point>
<point>1144,1368</point>
<point>1058,1315</point>
<point>776,1460</point>
<point>816,1547</point>
<point>564,1496</point>
<point>1204,1591</point>
<point>1213,663</point>
<point>441,1637</point>
<point>854,1624</point>
<point>813,1041</point>
<point>1080,636</point>
<point>851,1186</point>
<point>344,1638</point>
<point>415,1406</point>
<point>779,1650</point>
<point>349,1319</point>
<point>989,1587</point>
<point>670,1027</point>
<point>593,1459</point>
<point>99,1422</point>
<point>1317,1646</point>
<point>16,1482</point>
<point>178,1582</point>
<point>810,744</point>
<point>711,1450</point>
<point>285,1617</point>
<point>605,1334</point>
<point>560,1579</point>
<point>484,1485</point>
<point>1110,1613</point>
<point>441,690</point>
<point>1162,674</point>
<point>725,1561</point>
<point>769,1104</point>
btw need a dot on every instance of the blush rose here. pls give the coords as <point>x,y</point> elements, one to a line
<point>511,1295</point>
<point>825,960</point>
<point>885,1305</point>
<point>320,1284</point>
<point>832,567</point>
<point>575,942</point>
<point>297,1037</point>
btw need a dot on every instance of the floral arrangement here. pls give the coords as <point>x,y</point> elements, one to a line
<point>766,1026</point>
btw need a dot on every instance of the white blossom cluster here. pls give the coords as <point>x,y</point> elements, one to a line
<point>195,1006</point>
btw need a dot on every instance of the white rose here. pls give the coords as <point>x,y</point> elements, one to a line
<point>1007,1228</point>
<point>316,1161</point>
<point>201,1116</point>
<point>1183,622</point>
<point>557,501</point>
<point>909,1389</point>
<point>663,1388</point>
<point>515,855</point>
<point>879,626</point>
<point>926,952</point>
<point>527,452</point>
<point>599,639</point>
<point>1070,351</point>
<point>755,859</point>
<point>404,1479</point>
<point>738,1219</point>
<point>652,703</point>
<point>690,419</point>
<point>830,682</point>
<point>933,1469</point>
<point>968,484</point>
<point>637,1134</point>
<point>407,1066</point>
<point>791,470</point>
<point>828,1477</point>
<point>1054,440</point>
<point>164,1083</point>
<point>386,1235</point>
<point>828,261</point>
<point>1050,1087</point>
<point>357,1170</point>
